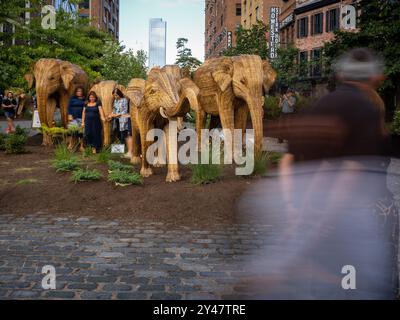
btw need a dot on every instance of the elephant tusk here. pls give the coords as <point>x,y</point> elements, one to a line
<point>162,112</point>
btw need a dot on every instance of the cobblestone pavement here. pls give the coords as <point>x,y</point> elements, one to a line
<point>112,259</point>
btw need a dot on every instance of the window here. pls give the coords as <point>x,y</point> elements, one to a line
<point>257,14</point>
<point>303,60</point>
<point>302,27</point>
<point>238,10</point>
<point>222,20</point>
<point>316,62</point>
<point>251,18</point>
<point>332,20</point>
<point>316,23</point>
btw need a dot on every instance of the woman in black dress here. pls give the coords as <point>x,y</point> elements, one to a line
<point>92,118</point>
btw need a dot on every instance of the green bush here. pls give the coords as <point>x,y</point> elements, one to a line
<point>124,178</point>
<point>82,175</point>
<point>3,138</point>
<point>66,165</point>
<point>21,132</point>
<point>271,108</point>
<point>396,123</point>
<point>304,103</point>
<point>206,173</point>
<point>118,166</point>
<point>15,143</point>
<point>104,155</point>
<point>62,152</point>
<point>264,161</point>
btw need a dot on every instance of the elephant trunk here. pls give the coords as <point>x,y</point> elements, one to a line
<point>41,106</point>
<point>256,113</point>
<point>187,100</point>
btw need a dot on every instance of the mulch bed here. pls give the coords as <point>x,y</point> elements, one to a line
<point>181,203</point>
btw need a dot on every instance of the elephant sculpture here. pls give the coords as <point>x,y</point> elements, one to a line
<point>56,81</point>
<point>165,91</point>
<point>104,90</point>
<point>135,94</point>
<point>231,87</point>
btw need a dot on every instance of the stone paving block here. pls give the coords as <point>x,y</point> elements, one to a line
<point>60,294</point>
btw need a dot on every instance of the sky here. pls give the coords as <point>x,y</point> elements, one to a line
<point>185,19</point>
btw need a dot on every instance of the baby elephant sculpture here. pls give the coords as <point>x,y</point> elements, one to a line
<point>56,81</point>
<point>164,91</point>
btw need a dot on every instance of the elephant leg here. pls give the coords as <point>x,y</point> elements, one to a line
<point>200,124</point>
<point>172,155</point>
<point>136,146</point>
<point>241,115</point>
<point>227,121</point>
<point>106,133</point>
<point>64,100</point>
<point>145,171</point>
<point>51,104</point>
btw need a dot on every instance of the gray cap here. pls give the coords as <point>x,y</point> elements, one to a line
<point>359,64</point>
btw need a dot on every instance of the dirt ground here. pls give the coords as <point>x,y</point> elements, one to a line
<point>28,184</point>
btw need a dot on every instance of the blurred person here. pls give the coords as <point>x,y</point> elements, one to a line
<point>92,118</point>
<point>287,103</point>
<point>335,214</point>
<point>75,110</point>
<point>9,105</point>
<point>122,118</point>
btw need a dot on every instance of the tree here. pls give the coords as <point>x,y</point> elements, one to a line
<point>73,40</point>
<point>184,58</point>
<point>286,67</point>
<point>122,66</point>
<point>379,26</point>
<point>250,41</point>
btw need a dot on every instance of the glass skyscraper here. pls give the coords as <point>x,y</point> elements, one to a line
<point>157,43</point>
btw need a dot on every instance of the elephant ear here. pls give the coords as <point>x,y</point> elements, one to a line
<point>269,76</point>
<point>30,79</point>
<point>135,91</point>
<point>223,76</point>
<point>29,76</point>
<point>67,71</point>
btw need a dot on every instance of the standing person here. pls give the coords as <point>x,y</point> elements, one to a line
<point>75,110</point>
<point>121,113</point>
<point>342,143</point>
<point>92,117</point>
<point>9,104</point>
<point>287,103</point>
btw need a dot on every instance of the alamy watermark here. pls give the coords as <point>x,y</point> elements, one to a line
<point>49,280</point>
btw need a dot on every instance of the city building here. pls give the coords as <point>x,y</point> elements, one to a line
<point>103,15</point>
<point>268,12</point>
<point>287,23</point>
<point>222,18</point>
<point>316,22</point>
<point>157,43</point>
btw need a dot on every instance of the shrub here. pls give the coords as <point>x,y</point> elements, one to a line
<point>118,166</point>
<point>396,123</point>
<point>15,143</point>
<point>271,108</point>
<point>21,132</point>
<point>82,175</point>
<point>206,173</point>
<point>304,103</point>
<point>66,165</point>
<point>3,137</point>
<point>62,152</point>
<point>124,178</point>
<point>105,155</point>
<point>87,152</point>
<point>264,161</point>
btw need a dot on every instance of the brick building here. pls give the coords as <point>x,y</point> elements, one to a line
<point>287,23</point>
<point>103,15</point>
<point>268,12</point>
<point>222,18</point>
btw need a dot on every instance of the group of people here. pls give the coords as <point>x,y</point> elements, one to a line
<point>9,104</point>
<point>90,115</point>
